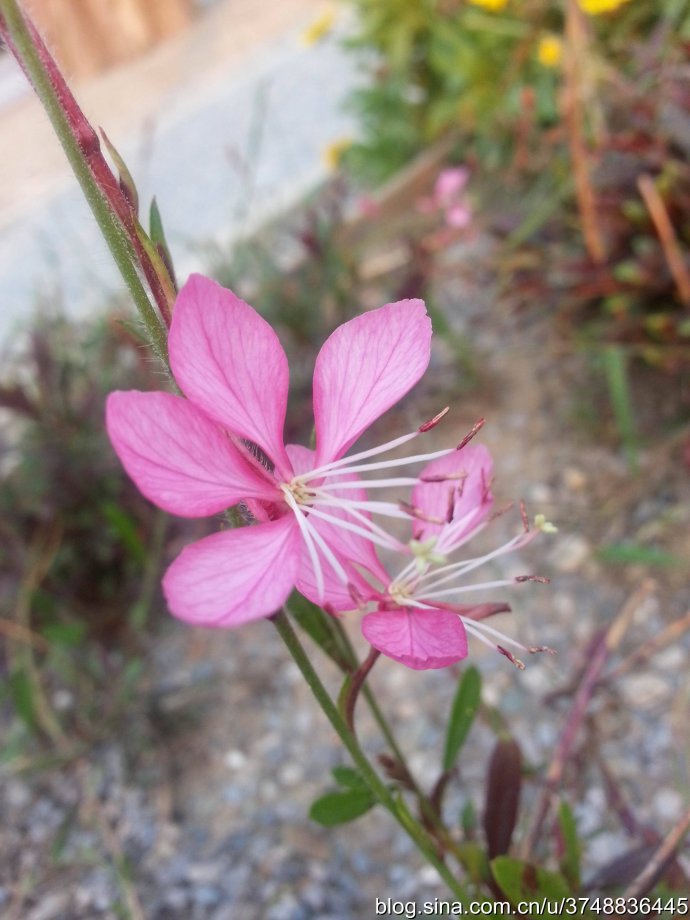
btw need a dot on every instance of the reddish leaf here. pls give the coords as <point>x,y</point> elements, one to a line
<point>502,796</point>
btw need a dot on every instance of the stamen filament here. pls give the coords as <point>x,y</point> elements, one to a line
<point>372,483</point>
<point>361,455</point>
<point>388,509</point>
<point>465,589</point>
<point>327,471</point>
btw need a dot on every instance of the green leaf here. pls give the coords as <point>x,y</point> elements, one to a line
<point>473,858</point>
<point>634,554</point>
<point>570,861</point>
<point>65,635</point>
<point>617,378</point>
<point>348,776</point>
<point>126,529</point>
<point>520,881</point>
<point>158,239</point>
<point>341,807</point>
<point>22,694</point>
<point>318,626</point>
<point>463,711</point>
<point>156,231</point>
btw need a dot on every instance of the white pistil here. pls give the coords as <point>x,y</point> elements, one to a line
<point>323,472</point>
<point>456,569</point>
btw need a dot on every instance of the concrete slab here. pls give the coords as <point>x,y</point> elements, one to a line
<point>225,124</point>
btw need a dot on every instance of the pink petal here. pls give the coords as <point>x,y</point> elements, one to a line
<point>351,549</point>
<point>234,576</point>
<point>420,639</point>
<point>472,495</point>
<point>229,362</point>
<point>178,458</point>
<point>364,368</point>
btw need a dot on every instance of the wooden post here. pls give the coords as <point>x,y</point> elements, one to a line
<point>87,36</point>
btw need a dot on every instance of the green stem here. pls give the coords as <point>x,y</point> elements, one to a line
<point>370,697</point>
<point>395,806</point>
<point>429,813</point>
<point>110,226</point>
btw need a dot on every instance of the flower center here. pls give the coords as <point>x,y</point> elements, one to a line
<point>299,490</point>
<point>400,592</point>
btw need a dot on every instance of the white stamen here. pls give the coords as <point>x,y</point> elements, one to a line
<point>388,509</point>
<point>466,589</point>
<point>456,569</point>
<point>362,455</point>
<point>478,628</point>
<point>371,483</point>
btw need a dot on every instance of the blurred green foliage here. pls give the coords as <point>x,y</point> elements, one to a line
<point>452,65</point>
<point>81,546</point>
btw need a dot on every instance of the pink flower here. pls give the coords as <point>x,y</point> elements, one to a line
<point>193,457</point>
<point>416,620</point>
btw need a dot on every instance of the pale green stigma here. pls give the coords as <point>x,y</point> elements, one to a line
<point>424,555</point>
<point>545,526</point>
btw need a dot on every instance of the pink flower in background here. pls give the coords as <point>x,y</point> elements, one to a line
<point>446,197</point>
<point>193,457</point>
<point>416,620</point>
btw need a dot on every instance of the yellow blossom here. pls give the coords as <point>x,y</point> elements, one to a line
<point>549,50</point>
<point>599,7</point>
<point>333,153</point>
<point>493,5</point>
<point>320,27</point>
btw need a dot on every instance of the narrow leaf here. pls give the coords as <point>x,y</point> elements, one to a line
<point>157,235</point>
<point>502,796</point>
<point>318,626</point>
<point>462,714</point>
<point>127,184</point>
<point>341,807</point>
<point>570,860</point>
<point>617,378</point>
<point>520,881</point>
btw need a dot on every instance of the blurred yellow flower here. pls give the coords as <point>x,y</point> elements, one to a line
<point>493,5</point>
<point>320,27</point>
<point>549,51</point>
<point>332,153</point>
<point>598,7</point>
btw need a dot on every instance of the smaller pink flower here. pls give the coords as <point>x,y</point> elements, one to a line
<point>223,444</point>
<point>450,182</point>
<point>446,198</point>
<point>417,620</point>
